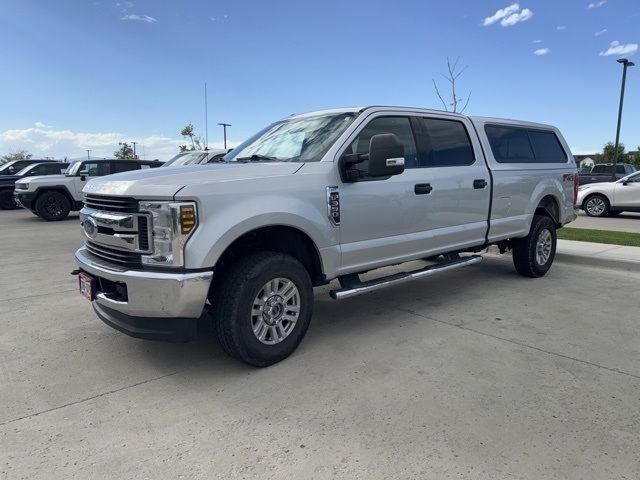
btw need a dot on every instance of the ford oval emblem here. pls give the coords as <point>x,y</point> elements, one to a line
<point>90,227</point>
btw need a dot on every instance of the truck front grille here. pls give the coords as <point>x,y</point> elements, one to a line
<point>114,255</point>
<point>111,204</point>
<point>116,230</point>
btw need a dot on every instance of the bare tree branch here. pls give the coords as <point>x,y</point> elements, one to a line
<point>467,102</point>
<point>440,96</point>
<point>454,72</point>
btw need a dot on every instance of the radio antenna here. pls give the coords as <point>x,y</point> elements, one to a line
<point>206,119</point>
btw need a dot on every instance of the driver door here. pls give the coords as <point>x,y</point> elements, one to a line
<point>381,218</point>
<point>93,169</point>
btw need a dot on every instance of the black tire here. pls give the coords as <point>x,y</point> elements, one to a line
<point>52,206</point>
<point>7,200</point>
<point>596,205</point>
<point>233,300</point>
<point>525,250</point>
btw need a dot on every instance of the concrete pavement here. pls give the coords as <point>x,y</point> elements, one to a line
<point>478,374</point>
<point>625,222</point>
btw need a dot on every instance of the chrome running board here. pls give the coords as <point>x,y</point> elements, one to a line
<point>398,278</point>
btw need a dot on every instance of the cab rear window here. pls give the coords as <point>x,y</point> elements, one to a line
<point>523,145</point>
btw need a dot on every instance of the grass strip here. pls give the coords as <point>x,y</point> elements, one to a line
<point>600,236</point>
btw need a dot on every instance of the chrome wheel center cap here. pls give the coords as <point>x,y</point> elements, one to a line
<point>273,309</point>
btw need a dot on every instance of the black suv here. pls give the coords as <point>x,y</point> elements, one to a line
<point>11,168</point>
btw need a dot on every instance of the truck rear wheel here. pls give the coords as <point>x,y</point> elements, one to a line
<point>262,308</point>
<point>534,254</point>
<point>52,206</point>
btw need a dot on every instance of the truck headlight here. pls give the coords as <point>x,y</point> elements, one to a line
<point>172,224</point>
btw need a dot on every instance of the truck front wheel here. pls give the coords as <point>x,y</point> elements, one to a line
<point>262,308</point>
<point>52,206</point>
<point>534,254</point>
<point>7,202</point>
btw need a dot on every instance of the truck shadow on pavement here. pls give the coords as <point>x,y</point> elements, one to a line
<point>336,325</point>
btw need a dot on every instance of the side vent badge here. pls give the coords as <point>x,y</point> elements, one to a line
<point>333,205</point>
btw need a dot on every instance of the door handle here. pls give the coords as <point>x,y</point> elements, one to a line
<point>479,183</point>
<point>422,188</point>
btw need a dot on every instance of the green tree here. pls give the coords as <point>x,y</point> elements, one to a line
<point>634,158</point>
<point>196,142</point>
<point>608,153</point>
<point>17,155</point>
<point>125,151</point>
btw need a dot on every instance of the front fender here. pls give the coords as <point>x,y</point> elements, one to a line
<point>219,228</point>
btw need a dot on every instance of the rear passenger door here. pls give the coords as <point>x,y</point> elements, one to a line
<point>452,163</point>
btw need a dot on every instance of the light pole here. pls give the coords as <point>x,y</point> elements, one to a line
<point>625,64</point>
<point>224,126</point>
<point>88,157</point>
<point>134,149</point>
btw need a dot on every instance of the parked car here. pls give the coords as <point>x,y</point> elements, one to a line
<point>196,157</point>
<point>52,197</point>
<point>603,172</point>
<point>7,182</point>
<point>610,198</point>
<point>312,198</point>
<point>11,168</point>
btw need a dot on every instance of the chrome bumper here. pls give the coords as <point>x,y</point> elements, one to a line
<point>150,294</point>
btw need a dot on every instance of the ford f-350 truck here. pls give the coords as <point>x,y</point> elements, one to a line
<point>313,198</point>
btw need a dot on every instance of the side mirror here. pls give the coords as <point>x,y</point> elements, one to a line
<point>83,174</point>
<point>625,182</point>
<point>11,169</point>
<point>386,155</point>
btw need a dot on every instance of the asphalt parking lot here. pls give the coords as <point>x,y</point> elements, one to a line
<point>476,374</point>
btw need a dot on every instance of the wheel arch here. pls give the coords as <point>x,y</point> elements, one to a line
<point>57,188</point>
<point>281,238</point>
<point>591,194</point>
<point>549,206</point>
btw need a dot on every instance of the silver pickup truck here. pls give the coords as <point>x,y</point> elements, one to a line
<point>313,198</point>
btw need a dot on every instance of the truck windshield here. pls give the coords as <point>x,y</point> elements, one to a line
<point>72,169</point>
<point>186,158</point>
<point>304,139</point>
<point>4,168</point>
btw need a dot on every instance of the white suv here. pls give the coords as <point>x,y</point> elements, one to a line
<point>610,198</point>
<point>52,197</point>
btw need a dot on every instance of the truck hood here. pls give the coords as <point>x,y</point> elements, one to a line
<point>166,182</point>
<point>9,178</point>
<point>48,179</point>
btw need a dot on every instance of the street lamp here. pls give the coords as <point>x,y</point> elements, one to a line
<point>224,126</point>
<point>625,64</point>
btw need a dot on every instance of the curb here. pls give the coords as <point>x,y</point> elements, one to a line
<point>596,261</point>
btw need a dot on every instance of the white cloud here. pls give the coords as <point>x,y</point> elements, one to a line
<point>600,32</point>
<point>141,18</point>
<point>541,51</point>
<point>596,4</point>
<point>500,14</point>
<point>561,27</point>
<point>46,141</point>
<point>41,125</point>
<point>524,15</point>
<point>537,41</point>
<point>616,48</point>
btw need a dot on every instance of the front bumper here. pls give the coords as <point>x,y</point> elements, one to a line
<point>155,305</point>
<point>24,198</point>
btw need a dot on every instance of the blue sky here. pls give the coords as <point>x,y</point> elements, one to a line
<point>87,74</point>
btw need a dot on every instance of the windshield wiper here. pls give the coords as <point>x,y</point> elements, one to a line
<point>258,158</point>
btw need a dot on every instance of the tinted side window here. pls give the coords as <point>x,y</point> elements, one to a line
<point>124,166</point>
<point>52,168</point>
<point>509,145</point>
<point>445,143</point>
<point>400,126</point>
<point>96,169</point>
<point>546,147</point>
